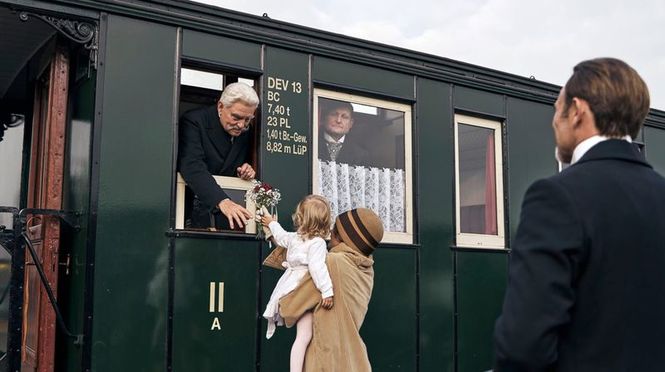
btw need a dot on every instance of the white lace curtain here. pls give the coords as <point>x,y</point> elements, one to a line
<point>379,189</point>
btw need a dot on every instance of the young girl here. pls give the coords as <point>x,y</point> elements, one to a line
<point>305,251</point>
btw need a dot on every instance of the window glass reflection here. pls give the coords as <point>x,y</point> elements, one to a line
<point>477,183</point>
<point>362,157</point>
<point>356,134</point>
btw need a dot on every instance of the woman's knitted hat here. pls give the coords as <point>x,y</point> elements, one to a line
<point>360,228</point>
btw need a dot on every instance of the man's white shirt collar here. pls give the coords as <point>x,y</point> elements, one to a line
<point>328,138</point>
<point>590,142</point>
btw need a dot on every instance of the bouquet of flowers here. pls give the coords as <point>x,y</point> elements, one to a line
<point>266,197</point>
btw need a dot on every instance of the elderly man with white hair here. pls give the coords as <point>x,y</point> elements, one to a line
<point>214,141</point>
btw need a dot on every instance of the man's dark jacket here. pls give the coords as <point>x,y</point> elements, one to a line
<point>205,149</point>
<point>586,288</point>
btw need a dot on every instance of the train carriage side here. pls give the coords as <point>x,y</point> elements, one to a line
<point>451,150</point>
<point>434,301</point>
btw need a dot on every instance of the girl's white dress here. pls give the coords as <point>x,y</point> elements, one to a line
<point>301,256</point>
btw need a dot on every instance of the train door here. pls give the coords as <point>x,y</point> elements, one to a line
<point>45,191</point>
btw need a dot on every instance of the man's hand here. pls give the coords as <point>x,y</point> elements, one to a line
<point>246,172</point>
<point>234,212</point>
<point>327,303</point>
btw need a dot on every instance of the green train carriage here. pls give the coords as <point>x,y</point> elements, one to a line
<point>90,96</point>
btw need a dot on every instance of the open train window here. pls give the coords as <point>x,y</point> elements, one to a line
<point>479,183</point>
<point>200,89</point>
<point>362,158</point>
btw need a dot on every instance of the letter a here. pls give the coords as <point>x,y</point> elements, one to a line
<point>216,325</point>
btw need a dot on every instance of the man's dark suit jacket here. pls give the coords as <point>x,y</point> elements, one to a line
<point>350,153</point>
<point>586,288</point>
<point>205,149</point>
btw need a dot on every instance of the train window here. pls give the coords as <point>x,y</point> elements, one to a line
<point>362,158</point>
<point>200,90</point>
<point>479,186</point>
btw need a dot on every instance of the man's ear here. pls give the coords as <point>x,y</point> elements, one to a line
<point>220,106</point>
<point>577,110</point>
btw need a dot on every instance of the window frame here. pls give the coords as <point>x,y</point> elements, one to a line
<point>473,240</point>
<point>406,237</point>
<point>227,76</point>
<point>225,182</point>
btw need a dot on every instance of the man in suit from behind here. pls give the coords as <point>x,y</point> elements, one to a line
<point>214,141</point>
<point>586,290</point>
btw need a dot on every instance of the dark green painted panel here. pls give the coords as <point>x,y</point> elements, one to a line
<point>362,77</point>
<point>287,165</point>
<point>221,50</point>
<point>285,128</point>
<point>481,276</point>
<point>389,330</point>
<point>134,197</point>
<point>530,148</point>
<point>654,139</point>
<point>480,288</point>
<point>478,101</point>
<point>274,352</point>
<point>76,195</point>
<point>199,342</point>
<point>435,219</point>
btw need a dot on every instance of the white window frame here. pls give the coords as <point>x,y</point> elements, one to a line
<point>469,240</point>
<point>224,182</point>
<point>388,236</point>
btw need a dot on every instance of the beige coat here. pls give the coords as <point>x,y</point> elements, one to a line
<point>336,344</point>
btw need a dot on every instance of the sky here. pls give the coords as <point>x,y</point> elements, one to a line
<point>543,39</point>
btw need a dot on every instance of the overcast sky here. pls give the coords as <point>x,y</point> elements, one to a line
<point>544,39</point>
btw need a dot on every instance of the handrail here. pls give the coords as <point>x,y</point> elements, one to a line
<point>20,237</point>
<point>78,338</point>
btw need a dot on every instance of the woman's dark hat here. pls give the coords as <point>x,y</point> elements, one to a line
<point>361,229</point>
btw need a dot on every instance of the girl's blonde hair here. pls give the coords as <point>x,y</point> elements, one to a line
<point>312,217</point>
